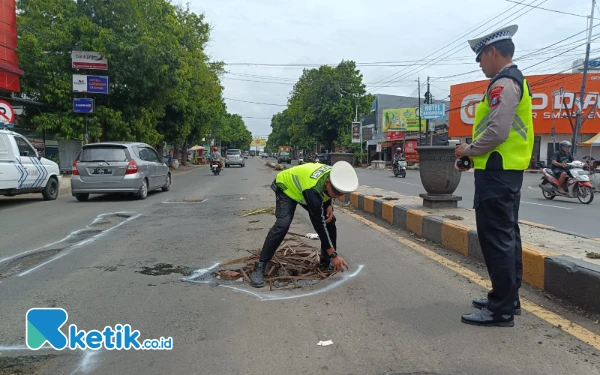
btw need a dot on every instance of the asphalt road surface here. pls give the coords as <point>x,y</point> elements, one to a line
<point>115,260</point>
<point>564,213</point>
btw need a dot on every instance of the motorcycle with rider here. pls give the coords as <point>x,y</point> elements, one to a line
<point>399,164</point>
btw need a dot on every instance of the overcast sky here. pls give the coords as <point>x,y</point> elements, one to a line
<point>314,32</point>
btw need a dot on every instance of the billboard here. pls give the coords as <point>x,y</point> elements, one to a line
<point>356,132</point>
<point>88,60</point>
<point>404,119</point>
<point>90,84</point>
<point>464,98</point>
<point>258,142</point>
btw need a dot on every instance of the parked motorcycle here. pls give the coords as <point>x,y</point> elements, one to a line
<point>592,163</point>
<point>578,184</point>
<point>216,168</point>
<point>400,168</point>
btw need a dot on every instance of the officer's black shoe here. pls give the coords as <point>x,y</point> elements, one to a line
<point>257,279</point>
<point>480,303</point>
<point>487,318</point>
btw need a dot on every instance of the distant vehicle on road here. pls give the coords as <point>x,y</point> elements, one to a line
<point>234,156</point>
<point>264,155</point>
<point>284,156</point>
<point>246,154</point>
<point>119,167</point>
<point>23,170</point>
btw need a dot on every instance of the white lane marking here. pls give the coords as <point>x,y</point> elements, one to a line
<point>408,183</point>
<point>547,205</point>
<point>79,244</point>
<point>70,235</point>
<point>87,363</point>
<point>273,296</point>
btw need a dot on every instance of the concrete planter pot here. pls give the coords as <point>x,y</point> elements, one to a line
<point>338,156</point>
<point>438,176</point>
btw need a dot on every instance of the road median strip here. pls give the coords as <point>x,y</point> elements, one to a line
<point>568,276</point>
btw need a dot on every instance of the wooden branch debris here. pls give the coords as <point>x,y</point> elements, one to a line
<point>293,261</point>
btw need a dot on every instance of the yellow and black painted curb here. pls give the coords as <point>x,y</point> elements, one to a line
<point>573,280</point>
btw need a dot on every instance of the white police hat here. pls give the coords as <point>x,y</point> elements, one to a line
<point>479,44</point>
<point>343,177</point>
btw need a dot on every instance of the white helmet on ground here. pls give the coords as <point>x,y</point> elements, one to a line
<point>343,177</point>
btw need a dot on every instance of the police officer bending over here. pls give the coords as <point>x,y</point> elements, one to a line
<point>313,186</point>
<point>501,150</point>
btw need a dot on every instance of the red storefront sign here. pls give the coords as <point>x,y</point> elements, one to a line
<point>410,153</point>
<point>9,65</point>
<point>393,136</point>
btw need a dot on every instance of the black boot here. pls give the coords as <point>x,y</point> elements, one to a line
<point>487,318</point>
<point>257,279</point>
<point>480,303</point>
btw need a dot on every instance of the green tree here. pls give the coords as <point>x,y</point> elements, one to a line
<point>162,84</point>
<point>323,103</point>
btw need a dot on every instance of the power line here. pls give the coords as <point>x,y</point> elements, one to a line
<point>550,10</point>
<point>257,118</point>
<point>245,101</point>
<point>458,47</point>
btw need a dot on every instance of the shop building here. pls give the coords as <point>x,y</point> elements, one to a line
<point>393,123</point>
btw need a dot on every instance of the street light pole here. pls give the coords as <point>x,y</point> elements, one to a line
<point>585,69</point>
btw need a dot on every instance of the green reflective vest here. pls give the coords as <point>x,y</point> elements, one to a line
<point>295,180</point>
<point>517,148</point>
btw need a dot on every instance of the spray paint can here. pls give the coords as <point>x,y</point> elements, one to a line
<point>465,163</point>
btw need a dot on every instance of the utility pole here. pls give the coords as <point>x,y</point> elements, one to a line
<point>419,94</point>
<point>585,69</point>
<point>428,99</point>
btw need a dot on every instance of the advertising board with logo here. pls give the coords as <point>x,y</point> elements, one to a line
<point>411,155</point>
<point>90,84</point>
<point>465,97</point>
<point>405,119</point>
<point>88,60</point>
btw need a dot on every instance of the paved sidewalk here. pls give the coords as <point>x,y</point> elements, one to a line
<point>553,261</point>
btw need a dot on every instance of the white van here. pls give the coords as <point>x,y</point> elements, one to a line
<point>23,171</point>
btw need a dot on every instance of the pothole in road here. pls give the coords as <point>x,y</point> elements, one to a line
<point>296,264</point>
<point>25,365</point>
<point>162,269</point>
<point>390,199</point>
<point>26,261</point>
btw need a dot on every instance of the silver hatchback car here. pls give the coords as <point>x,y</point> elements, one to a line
<point>118,167</point>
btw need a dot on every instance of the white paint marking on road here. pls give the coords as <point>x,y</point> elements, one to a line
<point>87,363</point>
<point>70,235</point>
<point>547,205</point>
<point>408,183</point>
<point>276,296</point>
<point>79,244</point>
<point>200,272</point>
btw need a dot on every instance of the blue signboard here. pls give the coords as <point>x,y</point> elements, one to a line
<point>433,111</point>
<point>90,84</point>
<point>83,105</point>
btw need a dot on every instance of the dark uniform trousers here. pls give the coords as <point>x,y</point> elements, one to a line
<point>285,207</point>
<point>497,200</point>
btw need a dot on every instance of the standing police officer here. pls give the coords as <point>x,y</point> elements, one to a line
<point>501,150</point>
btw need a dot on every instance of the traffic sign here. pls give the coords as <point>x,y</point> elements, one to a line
<point>7,113</point>
<point>83,105</point>
<point>433,111</point>
<point>356,132</point>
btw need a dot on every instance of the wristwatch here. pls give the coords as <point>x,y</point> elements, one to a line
<point>333,255</point>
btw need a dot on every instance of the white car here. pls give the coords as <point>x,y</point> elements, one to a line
<point>23,171</point>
